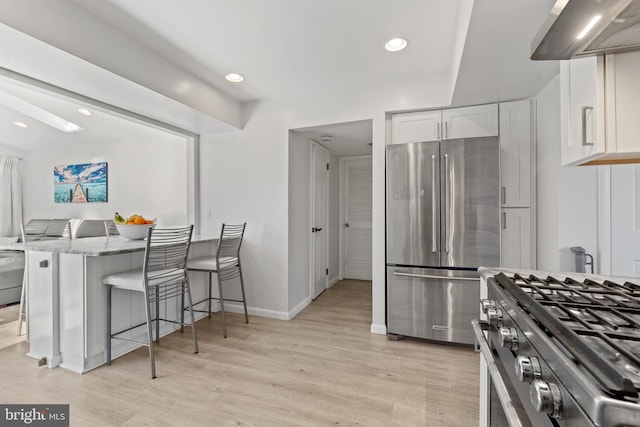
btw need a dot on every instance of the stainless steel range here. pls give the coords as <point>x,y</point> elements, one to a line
<point>559,351</point>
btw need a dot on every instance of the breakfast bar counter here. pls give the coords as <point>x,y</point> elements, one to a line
<point>67,302</point>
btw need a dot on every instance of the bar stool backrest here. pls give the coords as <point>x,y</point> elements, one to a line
<point>228,253</point>
<point>166,254</point>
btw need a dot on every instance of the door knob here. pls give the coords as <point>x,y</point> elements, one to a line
<point>346,224</point>
<point>318,229</point>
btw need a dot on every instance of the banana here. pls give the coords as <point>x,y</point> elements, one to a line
<point>118,219</point>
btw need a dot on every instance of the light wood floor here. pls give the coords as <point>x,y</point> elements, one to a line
<point>322,368</point>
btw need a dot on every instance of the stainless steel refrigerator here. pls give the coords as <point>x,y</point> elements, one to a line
<point>443,222</point>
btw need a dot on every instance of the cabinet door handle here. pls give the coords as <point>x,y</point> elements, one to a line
<point>504,195</point>
<point>438,131</point>
<point>584,126</point>
<point>504,220</point>
<point>446,130</point>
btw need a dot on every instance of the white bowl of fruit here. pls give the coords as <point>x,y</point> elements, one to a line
<point>134,227</point>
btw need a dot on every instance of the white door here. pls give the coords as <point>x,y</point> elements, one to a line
<point>357,184</point>
<point>319,219</point>
<point>625,220</point>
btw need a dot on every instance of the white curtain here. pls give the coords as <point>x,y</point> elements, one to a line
<point>10,196</point>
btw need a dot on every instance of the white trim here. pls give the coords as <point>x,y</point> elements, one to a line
<point>341,218</point>
<point>312,189</point>
<point>297,309</point>
<point>334,281</point>
<point>378,329</point>
<point>234,307</point>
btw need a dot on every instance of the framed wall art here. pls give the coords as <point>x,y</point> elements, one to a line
<point>81,183</point>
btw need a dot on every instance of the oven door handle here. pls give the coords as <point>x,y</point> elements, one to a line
<point>505,399</point>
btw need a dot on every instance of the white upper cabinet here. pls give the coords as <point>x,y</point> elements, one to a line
<point>515,153</point>
<point>582,109</point>
<point>469,122</point>
<point>416,127</point>
<point>600,100</point>
<point>454,123</point>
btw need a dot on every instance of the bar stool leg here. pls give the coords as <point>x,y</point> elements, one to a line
<point>244,298</point>
<point>150,336</point>
<point>224,323</point>
<point>193,322</point>
<point>210,274</point>
<point>109,289</point>
<point>157,314</point>
<point>182,311</point>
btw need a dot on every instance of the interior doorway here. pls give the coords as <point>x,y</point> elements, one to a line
<point>350,140</point>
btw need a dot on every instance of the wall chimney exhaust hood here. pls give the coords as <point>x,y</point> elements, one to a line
<point>576,28</point>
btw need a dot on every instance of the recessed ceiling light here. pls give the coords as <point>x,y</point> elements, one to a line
<point>21,124</point>
<point>395,45</point>
<point>84,111</point>
<point>233,77</point>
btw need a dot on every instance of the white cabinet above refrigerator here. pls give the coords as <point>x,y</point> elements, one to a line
<point>438,125</point>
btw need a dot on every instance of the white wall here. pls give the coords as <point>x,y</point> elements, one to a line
<point>299,294</point>
<point>145,177</point>
<point>566,196</point>
<point>255,161</point>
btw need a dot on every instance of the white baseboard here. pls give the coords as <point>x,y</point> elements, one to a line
<point>235,307</point>
<point>298,308</point>
<point>333,281</point>
<point>378,329</point>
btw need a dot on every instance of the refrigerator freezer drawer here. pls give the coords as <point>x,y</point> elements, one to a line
<point>435,304</point>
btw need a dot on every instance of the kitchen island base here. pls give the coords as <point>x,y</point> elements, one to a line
<point>67,304</point>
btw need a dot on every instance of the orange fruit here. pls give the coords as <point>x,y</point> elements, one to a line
<point>149,221</point>
<point>140,220</point>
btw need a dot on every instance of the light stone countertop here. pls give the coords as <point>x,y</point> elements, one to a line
<point>92,246</point>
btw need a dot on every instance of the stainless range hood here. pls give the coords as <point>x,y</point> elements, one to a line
<point>576,28</point>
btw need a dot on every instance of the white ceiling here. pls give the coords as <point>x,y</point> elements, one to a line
<point>293,48</point>
<point>101,127</point>
<point>288,48</point>
<point>342,139</point>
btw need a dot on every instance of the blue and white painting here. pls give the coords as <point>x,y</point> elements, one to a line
<point>83,183</point>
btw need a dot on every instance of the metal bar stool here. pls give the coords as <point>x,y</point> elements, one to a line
<point>226,264</point>
<point>162,276</point>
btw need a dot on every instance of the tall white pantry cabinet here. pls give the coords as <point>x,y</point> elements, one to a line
<point>517,192</point>
<point>514,123</point>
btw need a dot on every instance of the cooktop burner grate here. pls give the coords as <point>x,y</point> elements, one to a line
<point>598,323</point>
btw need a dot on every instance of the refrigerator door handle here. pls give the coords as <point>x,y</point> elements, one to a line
<point>434,213</point>
<point>433,276</point>
<point>447,203</point>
